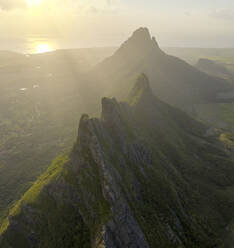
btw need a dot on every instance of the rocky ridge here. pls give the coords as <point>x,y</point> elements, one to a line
<point>143,175</point>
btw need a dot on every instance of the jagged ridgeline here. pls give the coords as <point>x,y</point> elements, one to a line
<point>38,123</point>
<point>173,80</point>
<point>144,175</point>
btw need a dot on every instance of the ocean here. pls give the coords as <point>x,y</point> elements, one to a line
<point>31,45</point>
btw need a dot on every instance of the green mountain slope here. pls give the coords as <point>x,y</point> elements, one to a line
<point>144,175</point>
<point>41,100</point>
<point>43,96</point>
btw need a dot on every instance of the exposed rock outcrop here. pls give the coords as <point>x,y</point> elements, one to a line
<point>144,175</point>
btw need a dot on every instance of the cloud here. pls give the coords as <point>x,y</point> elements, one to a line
<point>227,14</point>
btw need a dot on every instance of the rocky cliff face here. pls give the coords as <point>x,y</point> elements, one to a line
<point>144,175</point>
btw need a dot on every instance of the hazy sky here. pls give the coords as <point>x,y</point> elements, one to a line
<point>85,23</point>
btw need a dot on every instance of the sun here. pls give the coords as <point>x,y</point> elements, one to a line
<point>32,3</point>
<point>43,48</point>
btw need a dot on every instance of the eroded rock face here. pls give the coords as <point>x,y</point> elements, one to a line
<point>122,230</point>
<point>144,175</point>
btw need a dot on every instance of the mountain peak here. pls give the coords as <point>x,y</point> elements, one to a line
<point>140,43</point>
<point>141,88</point>
<point>141,33</point>
<point>142,82</point>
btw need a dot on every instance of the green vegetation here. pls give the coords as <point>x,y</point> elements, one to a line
<point>149,165</point>
<point>59,223</point>
<point>39,122</point>
<point>32,195</point>
<point>217,114</point>
<point>146,172</point>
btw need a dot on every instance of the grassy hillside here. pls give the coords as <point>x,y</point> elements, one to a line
<point>144,175</point>
<point>41,100</point>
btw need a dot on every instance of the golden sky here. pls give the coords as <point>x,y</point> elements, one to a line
<point>88,23</point>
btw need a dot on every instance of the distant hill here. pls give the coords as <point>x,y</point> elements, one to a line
<point>213,68</point>
<point>192,55</point>
<point>144,175</point>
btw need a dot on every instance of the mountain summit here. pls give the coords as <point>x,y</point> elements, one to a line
<point>144,175</point>
<point>140,43</point>
<point>172,79</point>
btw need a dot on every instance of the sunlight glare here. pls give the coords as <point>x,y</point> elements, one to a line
<point>43,48</point>
<point>31,3</point>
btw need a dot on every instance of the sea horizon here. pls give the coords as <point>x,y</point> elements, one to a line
<point>33,45</point>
